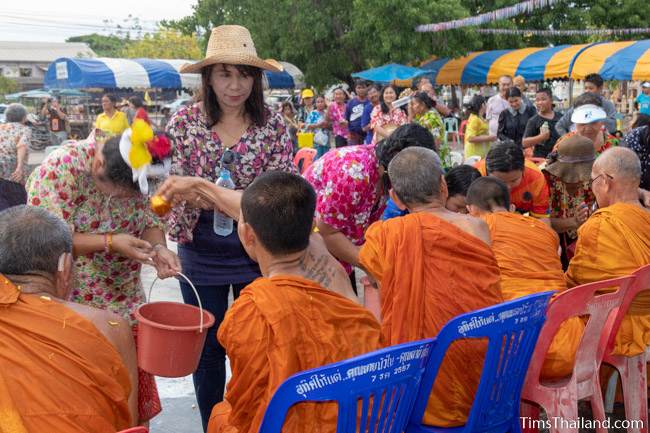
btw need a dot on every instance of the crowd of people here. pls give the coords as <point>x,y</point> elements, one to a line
<point>435,241</point>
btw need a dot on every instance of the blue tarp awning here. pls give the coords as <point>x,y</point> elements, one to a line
<point>109,73</point>
<point>389,73</point>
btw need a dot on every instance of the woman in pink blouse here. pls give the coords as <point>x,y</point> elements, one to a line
<point>336,118</point>
<point>384,118</point>
<point>230,128</point>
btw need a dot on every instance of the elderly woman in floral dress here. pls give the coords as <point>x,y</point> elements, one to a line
<point>14,146</point>
<point>90,186</point>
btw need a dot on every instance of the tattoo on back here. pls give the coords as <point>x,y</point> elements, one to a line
<point>317,268</point>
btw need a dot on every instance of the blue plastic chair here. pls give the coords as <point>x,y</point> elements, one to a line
<point>383,384</point>
<point>512,329</point>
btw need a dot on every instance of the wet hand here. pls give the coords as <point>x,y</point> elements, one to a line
<point>132,247</point>
<point>166,262</point>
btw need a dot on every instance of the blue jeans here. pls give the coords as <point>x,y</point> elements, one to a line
<point>210,376</point>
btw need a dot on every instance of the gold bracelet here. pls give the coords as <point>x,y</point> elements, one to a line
<point>109,242</point>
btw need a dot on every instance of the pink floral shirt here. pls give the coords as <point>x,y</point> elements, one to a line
<point>345,181</point>
<point>336,114</point>
<point>198,151</point>
<point>378,118</point>
<point>64,186</point>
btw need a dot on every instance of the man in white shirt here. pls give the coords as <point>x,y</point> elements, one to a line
<point>498,103</point>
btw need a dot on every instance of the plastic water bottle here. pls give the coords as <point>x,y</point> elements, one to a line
<point>223,224</point>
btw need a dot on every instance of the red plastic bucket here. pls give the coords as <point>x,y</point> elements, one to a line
<point>171,336</point>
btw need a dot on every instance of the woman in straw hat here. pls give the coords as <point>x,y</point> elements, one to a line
<point>571,199</point>
<point>231,128</point>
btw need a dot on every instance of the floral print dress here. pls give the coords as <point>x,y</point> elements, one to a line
<point>433,122</point>
<point>395,116</point>
<point>11,136</point>
<point>63,185</point>
<point>198,151</point>
<point>345,181</point>
<point>566,205</point>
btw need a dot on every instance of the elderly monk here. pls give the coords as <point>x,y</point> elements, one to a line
<point>64,367</point>
<point>615,241</point>
<point>288,320</point>
<point>526,250</point>
<point>431,266</point>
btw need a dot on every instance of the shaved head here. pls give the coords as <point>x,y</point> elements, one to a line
<point>620,163</point>
<point>615,177</point>
<point>415,175</point>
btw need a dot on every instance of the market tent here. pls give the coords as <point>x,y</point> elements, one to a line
<point>389,73</point>
<point>110,73</point>
<point>485,67</point>
<point>290,78</point>
<point>30,94</point>
<point>614,61</point>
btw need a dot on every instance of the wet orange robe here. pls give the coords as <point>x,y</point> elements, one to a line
<point>614,242</point>
<point>430,271</point>
<point>58,373</point>
<point>526,250</point>
<point>277,327</point>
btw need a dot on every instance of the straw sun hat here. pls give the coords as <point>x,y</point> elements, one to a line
<point>231,45</point>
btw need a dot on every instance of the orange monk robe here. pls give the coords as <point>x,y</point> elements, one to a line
<point>277,327</point>
<point>429,272</point>
<point>58,373</point>
<point>614,242</point>
<point>526,250</point>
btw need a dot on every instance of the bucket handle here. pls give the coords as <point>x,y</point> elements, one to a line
<point>195,293</point>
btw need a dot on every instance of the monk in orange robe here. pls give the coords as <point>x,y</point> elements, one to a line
<point>615,241</point>
<point>431,266</point>
<point>301,314</point>
<point>527,251</point>
<point>64,367</point>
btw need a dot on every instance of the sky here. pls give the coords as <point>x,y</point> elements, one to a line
<point>56,20</point>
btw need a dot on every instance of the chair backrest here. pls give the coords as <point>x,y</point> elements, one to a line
<point>580,301</point>
<point>375,392</point>
<point>304,158</point>
<point>451,124</point>
<point>512,329</point>
<point>641,282</point>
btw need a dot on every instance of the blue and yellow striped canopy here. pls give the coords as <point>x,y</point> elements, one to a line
<point>613,60</point>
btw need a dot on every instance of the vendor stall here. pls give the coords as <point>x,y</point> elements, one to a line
<point>390,74</point>
<point>612,60</point>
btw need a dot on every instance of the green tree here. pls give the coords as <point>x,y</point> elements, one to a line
<point>103,46</point>
<point>164,44</point>
<point>7,86</point>
<point>330,39</point>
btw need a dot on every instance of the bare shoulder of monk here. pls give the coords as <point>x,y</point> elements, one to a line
<point>469,224</point>
<point>116,330</point>
<point>320,266</point>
